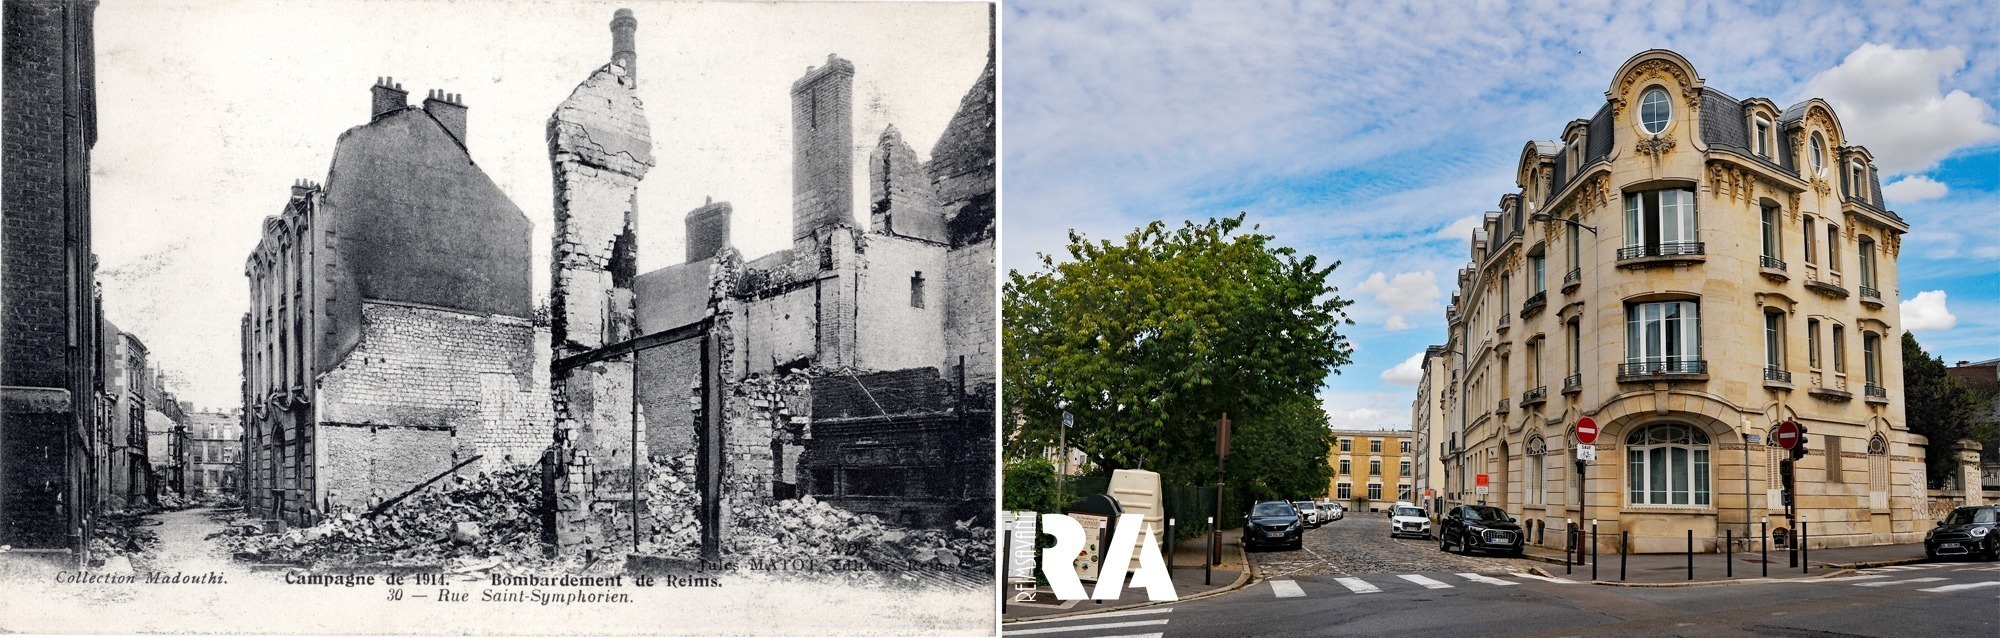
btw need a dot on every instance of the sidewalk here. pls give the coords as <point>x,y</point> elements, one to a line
<point>1666,569</point>
<point>1187,575</point>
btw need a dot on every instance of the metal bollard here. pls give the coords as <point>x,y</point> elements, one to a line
<point>1569,547</point>
<point>1006,545</point>
<point>1728,553</point>
<point>1805,553</point>
<point>1764,545</point>
<point>1690,554</point>
<point>1593,549</point>
<point>1624,541</point>
<point>1170,547</point>
<point>1207,566</point>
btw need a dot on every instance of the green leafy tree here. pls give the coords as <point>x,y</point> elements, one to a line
<point>1029,485</point>
<point>1149,341</point>
<point>1282,454</point>
<point>1942,409</point>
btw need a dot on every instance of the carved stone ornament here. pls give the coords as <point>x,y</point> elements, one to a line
<point>1818,117</point>
<point>1892,243</point>
<point>1657,146</point>
<point>1820,185</point>
<point>1660,69</point>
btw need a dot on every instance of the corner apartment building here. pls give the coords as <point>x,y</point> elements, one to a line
<point>1427,422</point>
<point>1372,468</point>
<point>214,459</point>
<point>1688,269</point>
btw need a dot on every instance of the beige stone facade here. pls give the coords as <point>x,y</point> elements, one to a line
<point>1687,269</point>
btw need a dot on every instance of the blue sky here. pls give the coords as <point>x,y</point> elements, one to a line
<point>1374,133</point>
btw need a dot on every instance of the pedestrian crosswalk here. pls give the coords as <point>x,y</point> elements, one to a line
<point>1936,578</point>
<point>1289,588</point>
<point>1116,624</point>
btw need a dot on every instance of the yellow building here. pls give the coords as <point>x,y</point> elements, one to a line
<point>1371,468</point>
<point>1688,269</point>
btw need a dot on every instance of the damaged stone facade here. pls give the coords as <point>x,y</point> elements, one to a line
<point>390,332</point>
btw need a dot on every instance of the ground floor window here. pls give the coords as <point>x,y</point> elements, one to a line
<point>1374,491</point>
<point>1402,492</point>
<point>1667,464</point>
<point>1343,491</point>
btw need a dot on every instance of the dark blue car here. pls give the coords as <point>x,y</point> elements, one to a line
<point>1273,523</point>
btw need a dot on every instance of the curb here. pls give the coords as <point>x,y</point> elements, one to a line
<point>1874,563</point>
<point>1242,580</point>
<point>1700,583</point>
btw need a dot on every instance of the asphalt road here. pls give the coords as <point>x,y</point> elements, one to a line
<point>1351,580</point>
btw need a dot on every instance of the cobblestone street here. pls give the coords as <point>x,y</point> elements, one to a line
<point>1360,544</point>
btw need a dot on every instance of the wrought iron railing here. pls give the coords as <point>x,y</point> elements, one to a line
<point>1572,382</point>
<point>1503,320</point>
<point>1664,366</point>
<point>1573,276</point>
<point>1503,407</point>
<point>1537,394</point>
<point>1667,249</point>
<point>1535,301</point>
<point>1876,391</point>
<point>1773,263</point>
<point>1774,373</point>
<point>1868,292</point>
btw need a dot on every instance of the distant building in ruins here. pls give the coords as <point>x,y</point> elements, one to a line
<point>214,444</point>
<point>857,366</point>
<point>389,336</point>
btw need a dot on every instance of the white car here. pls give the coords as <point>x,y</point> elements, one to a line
<point>1409,520</point>
<point>1330,511</point>
<point>1308,514</point>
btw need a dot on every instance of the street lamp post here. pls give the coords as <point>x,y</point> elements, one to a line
<point>1545,217</point>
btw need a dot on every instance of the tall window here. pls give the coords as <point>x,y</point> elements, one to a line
<point>1375,446</point>
<point>1535,363</point>
<point>1857,186</point>
<point>1865,253</point>
<point>1575,348</point>
<point>1575,241</point>
<point>1839,348</point>
<point>1660,222</point>
<point>1832,247</point>
<point>1343,491</point>
<point>1812,343</point>
<point>1773,247</point>
<point>1871,347</point>
<point>1576,156</point>
<point>1812,255</point>
<point>1667,464</point>
<point>1537,485</point>
<point>1774,340</point>
<point>1406,447</point>
<point>1655,110</point>
<point>1538,274</point>
<point>1347,445</point>
<point>917,290</point>
<point>1344,467</point>
<point>1506,298</point>
<point>1374,491</point>
<point>1403,468</point>
<point>1374,468</point>
<point>1664,336</point>
<point>1403,492</point>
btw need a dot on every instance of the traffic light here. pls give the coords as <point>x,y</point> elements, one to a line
<point>1799,450</point>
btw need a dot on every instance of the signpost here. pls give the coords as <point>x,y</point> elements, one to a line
<point>1062,445</point>
<point>1586,431</point>
<point>1586,451</point>
<point>1221,457</point>
<point>1787,435</point>
<point>1482,485</point>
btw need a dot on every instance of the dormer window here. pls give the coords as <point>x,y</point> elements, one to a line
<point>1762,129</point>
<point>1857,176</point>
<point>1655,111</point>
<point>1818,155</point>
<point>1576,156</point>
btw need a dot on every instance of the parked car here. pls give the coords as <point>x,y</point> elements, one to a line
<point>1310,513</point>
<point>1330,511</point>
<point>1273,523</point>
<point>1409,520</point>
<point>1972,530</point>
<point>1479,527</point>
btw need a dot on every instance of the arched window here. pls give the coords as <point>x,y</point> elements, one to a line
<point>1536,488</point>
<point>1655,110</point>
<point>1818,155</point>
<point>1667,464</point>
<point>1878,445</point>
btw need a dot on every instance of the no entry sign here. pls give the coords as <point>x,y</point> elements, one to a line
<point>1787,434</point>
<point>1586,431</point>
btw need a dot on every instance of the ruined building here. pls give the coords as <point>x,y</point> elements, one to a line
<point>390,336</point>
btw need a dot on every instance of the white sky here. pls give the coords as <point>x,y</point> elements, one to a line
<point>208,110</point>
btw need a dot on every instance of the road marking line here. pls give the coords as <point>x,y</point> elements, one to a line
<point>1358,586</point>
<point>1887,583</point>
<point>1287,589</point>
<point>1846,578</point>
<point>1108,625</point>
<point>1961,587</point>
<point>1108,614</point>
<point>1898,567</point>
<point>1553,579</point>
<point>1486,579</point>
<point>1428,583</point>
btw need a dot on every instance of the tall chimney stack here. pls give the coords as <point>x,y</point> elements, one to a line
<point>623,53</point>
<point>388,96</point>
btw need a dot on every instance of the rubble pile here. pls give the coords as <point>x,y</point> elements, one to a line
<point>459,520</point>
<point>120,537</point>
<point>812,530</point>
<point>672,501</point>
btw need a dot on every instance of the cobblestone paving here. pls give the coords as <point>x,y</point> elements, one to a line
<point>1360,544</point>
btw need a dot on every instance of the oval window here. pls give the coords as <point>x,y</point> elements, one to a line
<point>1655,110</point>
<point>1818,154</point>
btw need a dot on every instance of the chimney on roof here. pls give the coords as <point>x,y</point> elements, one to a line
<point>449,110</point>
<point>623,53</point>
<point>303,187</point>
<point>389,96</point>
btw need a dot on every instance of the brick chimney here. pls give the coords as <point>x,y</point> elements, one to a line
<point>822,148</point>
<point>449,111</point>
<point>623,53</point>
<point>303,187</point>
<point>707,230</point>
<point>389,96</point>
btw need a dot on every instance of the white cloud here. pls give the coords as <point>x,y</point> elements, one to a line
<point>1461,230</point>
<point>1928,312</point>
<point>1406,292</point>
<point>1915,188</point>
<point>1409,372</point>
<point>1890,100</point>
<point>1397,323</point>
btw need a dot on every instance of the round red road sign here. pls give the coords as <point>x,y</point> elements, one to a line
<point>1787,434</point>
<point>1586,431</point>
